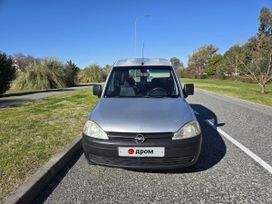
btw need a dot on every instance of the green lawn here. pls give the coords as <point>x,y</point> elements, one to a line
<point>31,133</point>
<point>245,91</point>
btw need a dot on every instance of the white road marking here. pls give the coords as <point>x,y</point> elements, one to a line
<point>240,146</point>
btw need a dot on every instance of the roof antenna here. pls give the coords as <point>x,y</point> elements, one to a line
<point>143,54</point>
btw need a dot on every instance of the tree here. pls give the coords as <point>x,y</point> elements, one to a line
<point>21,61</point>
<point>265,27</point>
<point>214,64</point>
<point>257,52</point>
<point>71,71</point>
<point>176,63</point>
<point>232,63</point>
<point>199,59</point>
<point>7,72</point>
<point>178,66</point>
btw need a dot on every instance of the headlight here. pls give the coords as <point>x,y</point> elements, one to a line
<point>191,129</point>
<point>91,129</point>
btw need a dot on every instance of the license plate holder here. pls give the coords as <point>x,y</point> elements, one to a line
<point>141,151</point>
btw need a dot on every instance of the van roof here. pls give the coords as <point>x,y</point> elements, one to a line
<point>142,62</point>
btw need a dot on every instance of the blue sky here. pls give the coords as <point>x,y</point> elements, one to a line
<point>102,31</point>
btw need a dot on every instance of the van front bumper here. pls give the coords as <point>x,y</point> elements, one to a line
<point>178,153</point>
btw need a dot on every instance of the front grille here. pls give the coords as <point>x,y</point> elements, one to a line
<point>144,162</point>
<point>133,135</point>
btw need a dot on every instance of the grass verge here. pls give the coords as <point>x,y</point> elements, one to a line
<point>245,91</point>
<point>31,133</point>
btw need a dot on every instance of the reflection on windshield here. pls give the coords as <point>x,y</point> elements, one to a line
<point>155,82</point>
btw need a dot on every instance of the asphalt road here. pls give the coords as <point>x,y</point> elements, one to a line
<point>11,100</point>
<point>224,173</point>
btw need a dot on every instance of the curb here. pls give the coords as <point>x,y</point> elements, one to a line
<point>28,191</point>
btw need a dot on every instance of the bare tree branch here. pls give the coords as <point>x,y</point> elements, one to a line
<point>268,78</point>
<point>252,74</point>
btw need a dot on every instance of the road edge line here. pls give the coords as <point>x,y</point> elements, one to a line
<point>33,186</point>
<point>251,154</point>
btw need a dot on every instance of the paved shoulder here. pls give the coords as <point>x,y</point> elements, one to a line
<point>7,101</point>
<point>248,123</point>
<point>225,183</point>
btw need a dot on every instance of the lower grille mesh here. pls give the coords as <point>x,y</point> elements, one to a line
<point>125,161</point>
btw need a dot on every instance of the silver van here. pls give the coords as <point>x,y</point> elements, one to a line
<point>142,119</point>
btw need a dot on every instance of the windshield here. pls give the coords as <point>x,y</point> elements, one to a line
<point>142,82</point>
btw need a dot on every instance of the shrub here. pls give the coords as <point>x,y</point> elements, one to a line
<point>93,73</point>
<point>106,71</point>
<point>46,74</point>
<point>203,76</point>
<point>7,72</point>
<point>71,71</point>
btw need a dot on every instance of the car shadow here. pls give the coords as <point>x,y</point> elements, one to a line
<point>206,114</point>
<point>213,146</point>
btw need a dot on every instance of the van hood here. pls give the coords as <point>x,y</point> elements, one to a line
<point>141,115</point>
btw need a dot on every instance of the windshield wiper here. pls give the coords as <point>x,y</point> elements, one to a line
<point>146,96</point>
<point>154,96</point>
<point>111,96</point>
<point>173,96</point>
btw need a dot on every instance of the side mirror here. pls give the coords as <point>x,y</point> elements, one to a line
<point>97,90</point>
<point>188,89</point>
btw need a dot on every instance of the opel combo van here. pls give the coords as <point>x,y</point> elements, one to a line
<point>142,119</point>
